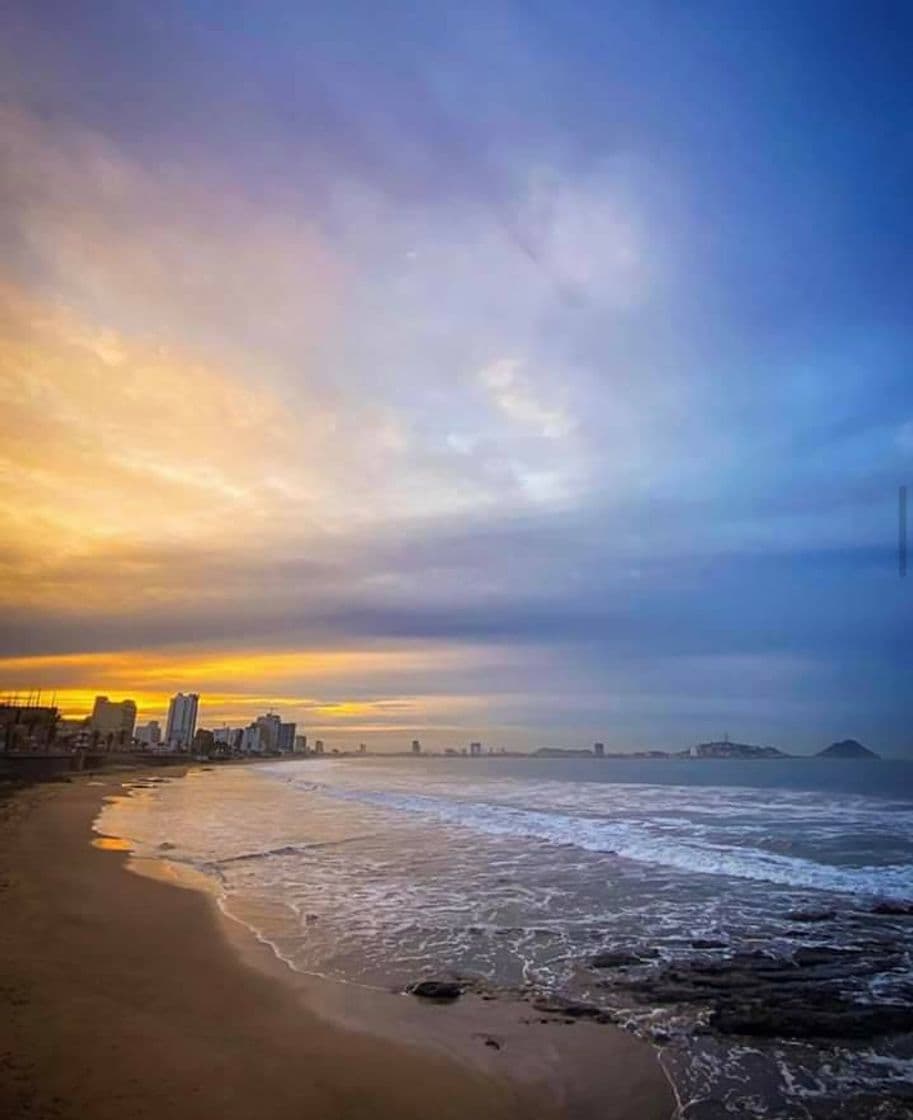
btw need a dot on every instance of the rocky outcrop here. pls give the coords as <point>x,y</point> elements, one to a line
<point>612,959</point>
<point>894,907</point>
<point>822,1018</point>
<point>442,990</point>
<point>811,915</point>
<point>572,1009</point>
<point>803,996</point>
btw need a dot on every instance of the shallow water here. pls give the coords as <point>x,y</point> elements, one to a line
<point>515,872</point>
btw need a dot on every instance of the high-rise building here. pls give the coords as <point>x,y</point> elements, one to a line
<point>203,742</point>
<point>113,721</point>
<point>255,739</point>
<point>599,750</point>
<point>149,734</point>
<point>270,724</point>
<point>318,747</point>
<point>416,747</point>
<point>182,721</point>
<point>286,737</point>
<point>301,744</point>
<point>475,749</point>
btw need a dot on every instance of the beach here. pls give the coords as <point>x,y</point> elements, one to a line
<point>129,995</point>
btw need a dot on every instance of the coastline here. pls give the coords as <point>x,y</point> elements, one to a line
<point>134,995</point>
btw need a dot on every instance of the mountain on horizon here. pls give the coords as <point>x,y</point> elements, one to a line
<point>847,748</point>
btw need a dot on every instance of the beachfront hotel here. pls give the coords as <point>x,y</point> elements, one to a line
<point>182,721</point>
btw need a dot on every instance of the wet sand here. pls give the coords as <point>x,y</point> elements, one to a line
<point>130,995</point>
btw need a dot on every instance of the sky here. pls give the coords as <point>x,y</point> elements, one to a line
<point>532,372</point>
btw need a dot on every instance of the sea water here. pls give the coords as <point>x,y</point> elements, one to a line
<point>515,872</point>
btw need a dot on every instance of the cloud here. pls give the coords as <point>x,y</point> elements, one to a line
<point>512,393</point>
<point>525,403</point>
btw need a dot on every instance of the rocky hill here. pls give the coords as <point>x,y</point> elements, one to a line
<point>846,748</point>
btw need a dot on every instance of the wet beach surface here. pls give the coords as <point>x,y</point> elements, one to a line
<point>761,941</point>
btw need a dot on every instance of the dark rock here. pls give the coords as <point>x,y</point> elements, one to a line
<point>611,959</point>
<point>707,943</point>
<point>810,956</point>
<point>570,1009</point>
<point>838,1019</point>
<point>493,1043</point>
<point>444,990</point>
<point>811,915</point>
<point>893,907</point>
<point>804,996</point>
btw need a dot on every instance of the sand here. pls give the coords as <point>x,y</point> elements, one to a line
<point>128,996</point>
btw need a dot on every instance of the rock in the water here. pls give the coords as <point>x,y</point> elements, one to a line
<point>444,990</point>
<point>611,959</point>
<point>811,915</point>
<point>834,1019</point>
<point>894,907</point>
<point>570,1009</point>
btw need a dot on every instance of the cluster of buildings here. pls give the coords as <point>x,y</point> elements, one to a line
<point>31,727</point>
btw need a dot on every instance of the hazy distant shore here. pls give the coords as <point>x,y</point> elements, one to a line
<point>129,996</point>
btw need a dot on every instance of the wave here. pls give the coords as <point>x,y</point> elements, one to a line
<point>290,850</point>
<point>634,840</point>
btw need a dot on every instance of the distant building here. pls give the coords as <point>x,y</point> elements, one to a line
<point>149,734</point>
<point>73,733</point>
<point>27,727</point>
<point>270,723</point>
<point>286,737</point>
<point>301,744</point>
<point>726,749</point>
<point>362,748</point>
<point>318,747</point>
<point>255,739</point>
<point>599,750</point>
<point>416,747</point>
<point>182,721</point>
<point>475,749</point>
<point>203,742</point>
<point>112,721</point>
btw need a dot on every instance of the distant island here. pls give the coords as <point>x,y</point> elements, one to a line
<point>721,748</point>
<point>847,748</point>
<point>726,749</point>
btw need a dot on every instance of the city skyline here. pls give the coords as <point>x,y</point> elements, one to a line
<point>510,373</point>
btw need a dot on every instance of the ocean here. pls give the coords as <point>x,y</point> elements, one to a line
<point>514,874</point>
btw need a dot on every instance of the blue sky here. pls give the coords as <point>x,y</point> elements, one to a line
<point>550,362</point>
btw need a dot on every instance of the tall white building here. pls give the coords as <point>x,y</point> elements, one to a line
<point>255,739</point>
<point>182,721</point>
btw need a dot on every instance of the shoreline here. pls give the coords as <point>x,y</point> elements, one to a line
<point>136,995</point>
